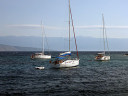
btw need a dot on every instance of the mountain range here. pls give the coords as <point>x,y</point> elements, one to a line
<point>29,43</point>
<point>17,48</point>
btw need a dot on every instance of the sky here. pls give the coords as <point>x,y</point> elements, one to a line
<point>23,17</point>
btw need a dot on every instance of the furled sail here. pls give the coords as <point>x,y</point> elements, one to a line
<point>65,54</point>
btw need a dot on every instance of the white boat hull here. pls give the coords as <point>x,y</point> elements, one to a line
<point>66,64</point>
<point>39,68</point>
<point>41,56</point>
<point>104,58</point>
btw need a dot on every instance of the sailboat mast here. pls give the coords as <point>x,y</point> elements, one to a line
<point>42,37</point>
<point>69,25</point>
<point>103,33</point>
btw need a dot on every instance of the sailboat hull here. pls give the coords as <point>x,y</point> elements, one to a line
<point>104,58</point>
<point>66,64</point>
<point>62,63</point>
<point>41,56</point>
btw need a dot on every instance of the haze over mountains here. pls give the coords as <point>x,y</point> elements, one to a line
<point>60,43</point>
<point>17,48</point>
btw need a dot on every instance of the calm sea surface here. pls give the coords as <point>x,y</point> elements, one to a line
<point>18,76</point>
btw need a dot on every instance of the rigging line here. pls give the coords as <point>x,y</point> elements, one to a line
<point>74,33</point>
<point>105,35</point>
<point>107,41</point>
<point>44,34</point>
<point>42,27</point>
<point>100,39</point>
<point>46,41</point>
<point>69,24</point>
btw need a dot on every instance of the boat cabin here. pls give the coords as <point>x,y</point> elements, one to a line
<point>99,55</point>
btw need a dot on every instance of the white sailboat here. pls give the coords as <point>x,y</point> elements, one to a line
<point>41,55</point>
<point>61,61</point>
<point>102,56</point>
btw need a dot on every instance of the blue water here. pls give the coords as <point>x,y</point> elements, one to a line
<point>18,76</point>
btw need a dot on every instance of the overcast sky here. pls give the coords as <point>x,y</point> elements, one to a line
<point>23,17</point>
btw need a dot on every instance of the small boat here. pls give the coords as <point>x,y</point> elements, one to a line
<point>102,56</point>
<point>64,60</point>
<point>41,55</point>
<point>125,54</point>
<point>39,68</point>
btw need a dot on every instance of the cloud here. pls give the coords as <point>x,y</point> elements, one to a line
<point>62,28</point>
<point>24,25</point>
<point>117,27</point>
<point>36,26</point>
<point>100,26</point>
<point>91,26</point>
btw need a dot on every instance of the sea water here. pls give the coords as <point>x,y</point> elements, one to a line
<point>19,77</point>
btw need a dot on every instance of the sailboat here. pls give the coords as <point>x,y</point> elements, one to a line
<point>41,55</point>
<point>102,56</point>
<point>64,60</point>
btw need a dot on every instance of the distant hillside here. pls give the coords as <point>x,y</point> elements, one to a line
<point>17,48</point>
<point>61,44</point>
